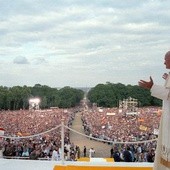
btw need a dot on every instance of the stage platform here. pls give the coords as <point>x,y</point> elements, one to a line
<point>95,164</point>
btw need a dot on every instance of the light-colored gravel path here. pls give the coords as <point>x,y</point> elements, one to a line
<point>102,149</point>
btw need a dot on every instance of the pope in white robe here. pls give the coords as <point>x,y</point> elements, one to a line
<point>162,157</point>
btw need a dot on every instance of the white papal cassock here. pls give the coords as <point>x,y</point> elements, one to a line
<point>162,158</point>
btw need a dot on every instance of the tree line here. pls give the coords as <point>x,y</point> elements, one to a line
<point>17,97</point>
<point>104,95</point>
<point>109,95</point>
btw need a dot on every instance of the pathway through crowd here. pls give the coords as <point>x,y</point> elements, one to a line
<point>102,150</point>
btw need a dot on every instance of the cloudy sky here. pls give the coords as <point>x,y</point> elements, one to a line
<point>81,43</point>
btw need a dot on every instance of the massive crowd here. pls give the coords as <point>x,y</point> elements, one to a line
<point>24,123</point>
<point>109,124</point>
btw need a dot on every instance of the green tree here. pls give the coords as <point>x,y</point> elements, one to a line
<point>109,94</point>
<point>69,97</point>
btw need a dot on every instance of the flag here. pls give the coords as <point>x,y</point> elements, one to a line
<point>140,120</point>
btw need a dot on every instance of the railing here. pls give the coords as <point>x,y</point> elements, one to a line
<point>62,141</point>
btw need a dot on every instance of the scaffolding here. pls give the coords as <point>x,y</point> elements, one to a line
<point>129,106</point>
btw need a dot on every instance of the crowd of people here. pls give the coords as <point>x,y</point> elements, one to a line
<point>116,127</point>
<point>108,124</point>
<point>24,123</point>
<point>133,153</point>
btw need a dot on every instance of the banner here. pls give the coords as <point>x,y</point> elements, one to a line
<point>23,134</point>
<point>156,131</point>
<point>141,127</point>
<point>1,133</point>
<point>100,110</point>
<point>110,114</point>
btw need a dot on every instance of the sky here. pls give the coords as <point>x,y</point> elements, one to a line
<point>80,43</point>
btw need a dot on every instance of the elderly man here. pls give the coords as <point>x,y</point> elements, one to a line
<point>162,158</point>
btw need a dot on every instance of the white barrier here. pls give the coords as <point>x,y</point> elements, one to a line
<point>15,164</point>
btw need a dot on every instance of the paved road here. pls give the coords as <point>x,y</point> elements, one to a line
<point>102,149</point>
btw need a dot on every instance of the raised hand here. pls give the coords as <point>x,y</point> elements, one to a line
<point>165,76</point>
<point>146,84</point>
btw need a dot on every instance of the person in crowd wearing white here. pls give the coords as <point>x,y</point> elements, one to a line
<point>162,157</point>
<point>91,152</point>
<point>139,153</point>
<point>55,154</point>
<point>2,149</point>
<point>67,145</point>
<point>25,152</point>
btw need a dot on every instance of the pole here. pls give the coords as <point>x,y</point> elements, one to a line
<point>62,141</point>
